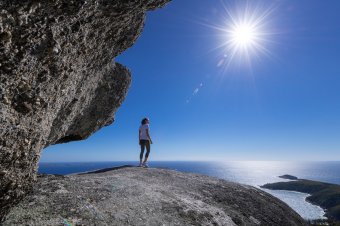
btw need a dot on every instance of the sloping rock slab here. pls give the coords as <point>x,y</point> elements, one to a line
<point>138,196</point>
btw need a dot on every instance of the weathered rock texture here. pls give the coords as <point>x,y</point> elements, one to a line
<point>137,196</point>
<point>57,79</point>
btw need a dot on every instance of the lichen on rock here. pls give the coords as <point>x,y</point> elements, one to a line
<point>57,82</point>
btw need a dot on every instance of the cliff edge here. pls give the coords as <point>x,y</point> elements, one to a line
<point>58,79</point>
<point>138,196</point>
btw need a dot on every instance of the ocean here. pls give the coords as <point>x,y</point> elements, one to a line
<point>255,173</point>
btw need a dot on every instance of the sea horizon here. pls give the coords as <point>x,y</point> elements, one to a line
<point>258,163</point>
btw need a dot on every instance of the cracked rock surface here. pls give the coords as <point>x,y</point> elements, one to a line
<point>58,79</point>
<point>138,196</point>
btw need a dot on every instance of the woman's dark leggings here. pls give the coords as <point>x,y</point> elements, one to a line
<point>143,144</point>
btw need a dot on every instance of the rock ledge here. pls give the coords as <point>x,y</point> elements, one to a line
<point>138,196</point>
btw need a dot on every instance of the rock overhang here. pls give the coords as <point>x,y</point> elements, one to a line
<point>57,82</point>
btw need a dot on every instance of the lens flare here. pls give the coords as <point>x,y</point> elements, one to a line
<point>244,37</point>
<point>244,33</point>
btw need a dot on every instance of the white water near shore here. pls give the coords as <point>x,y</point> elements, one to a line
<point>297,201</point>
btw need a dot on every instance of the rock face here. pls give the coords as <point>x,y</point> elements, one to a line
<point>58,82</point>
<point>138,196</point>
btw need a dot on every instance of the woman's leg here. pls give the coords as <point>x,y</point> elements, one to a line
<point>142,147</point>
<point>147,144</point>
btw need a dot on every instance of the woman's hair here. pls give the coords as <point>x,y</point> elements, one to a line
<point>144,121</point>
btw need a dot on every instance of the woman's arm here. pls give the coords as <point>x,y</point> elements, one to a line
<point>148,134</point>
<point>139,131</point>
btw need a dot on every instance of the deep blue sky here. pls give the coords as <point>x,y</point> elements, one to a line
<point>282,105</point>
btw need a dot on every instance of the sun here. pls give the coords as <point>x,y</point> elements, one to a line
<point>243,35</point>
<point>245,32</point>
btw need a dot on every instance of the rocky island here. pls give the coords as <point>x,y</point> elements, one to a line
<point>139,196</point>
<point>289,177</point>
<point>322,194</point>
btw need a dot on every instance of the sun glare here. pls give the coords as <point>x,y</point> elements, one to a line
<point>243,35</point>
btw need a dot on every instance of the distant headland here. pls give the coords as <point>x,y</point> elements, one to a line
<point>323,194</point>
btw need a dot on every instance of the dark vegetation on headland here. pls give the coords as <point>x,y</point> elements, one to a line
<point>289,177</point>
<point>323,222</point>
<point>322,194</point>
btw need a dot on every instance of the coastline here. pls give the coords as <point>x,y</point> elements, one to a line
<point>295,199</point>
<point>324,195</point>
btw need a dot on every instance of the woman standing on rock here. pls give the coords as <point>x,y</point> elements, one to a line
<point>144,141</point>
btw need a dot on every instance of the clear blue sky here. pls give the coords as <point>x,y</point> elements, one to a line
<point>282,104</point>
